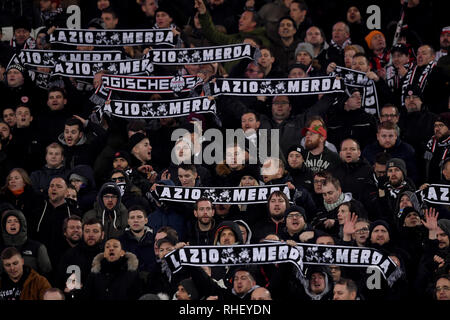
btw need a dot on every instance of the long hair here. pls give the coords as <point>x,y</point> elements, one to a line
<point>22,172</point>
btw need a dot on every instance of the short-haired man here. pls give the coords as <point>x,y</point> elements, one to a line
<point>54,167</point>
<point>345,289</point>
<point>437,148</point>
<point>442,287</point>
<point>138,238</point>
<point>78,149</point>
<point>110,18</point>
<point>203,228</point>
<point>340,38</point>
<point>389,141</point>
<point>18,281</point>
<point>77,262</point>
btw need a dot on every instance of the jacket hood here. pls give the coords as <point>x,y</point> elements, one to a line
<point>228,225</point>
<point>325,271</point>
<point>129,259</point>
<point>249,231</point>
<point>84,171</point>
<point>79,143</point>
<point>109,187</point>
<point>21,237</point>
<point>412,196</point>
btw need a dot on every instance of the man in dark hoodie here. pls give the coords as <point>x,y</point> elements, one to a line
<point>301,175</point>
<point>318,284</point>
<point>437,148</point>
<point>203,229</point>
<point>109,210</point>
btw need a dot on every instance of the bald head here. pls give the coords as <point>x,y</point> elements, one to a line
<point>261,294</point>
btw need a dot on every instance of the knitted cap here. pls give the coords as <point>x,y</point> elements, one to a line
<point>122,154</point>
<point>444,118</point>
<point>306,47</point>
<point>399,163</point>
<point>369,37</point>
<point>15,66</point>
<point>135,139</point>
<point>295,209</point>
<point>444,224</point>
<point>295,147</point>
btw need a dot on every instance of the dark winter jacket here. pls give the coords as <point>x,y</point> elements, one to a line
<point>41,178</point>
<point>142,248</point>
<point>33,285</point>
<point>118,280</point>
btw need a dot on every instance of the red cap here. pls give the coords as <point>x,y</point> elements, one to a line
<point>316,129</point>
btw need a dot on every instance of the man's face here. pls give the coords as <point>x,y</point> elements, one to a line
<point>444,40</point>
<point>295,222</point>
<point>227,237</point>
<point>164,249</point>
<point>297,73</point>
<point>137,220</point>
<point>387,138</point>
<point>343,213</point>
<point>9,116</point>
<point>389,114</point>
<point>442,237</point>
<point>330,193</point>
<point>249,122</point>
<point>440,130</point>
<point>23,116</point>
<point>14,78</point>
<point>72,135</point>
<point>21,35</point>
<point>14,267</point>
<point>412,220</point>
<point>395,176</point>
<point>113,250</point>
<point>312,140</point>
<point>339,33</point>
<point>149,7</point>
<point>254,71</point>
<point>286,29</point>
<point>317,283</point>
<point>348,57</point>
<point>318,184</point>
<point>325,240</point>
<point>242,282</point>
<point>54,157</point>
<point>5,131</point>
<point>204,213</point>
<point>56,100</point>
<point>443,289</point>
<point>413,103</point>
<point>314,36</point>
<point>158,236</point>
<point>341,292</point>
<point>266,59</point>
<point>281,108</point>
<point>143,150</point>
<point>399,59</point>
<point>405,201</point>
<point>74,230</point>
<point>424,55</point>
<point>379,235</point>
<point>248,181</point>
<point>72,194</point>
<point>163,19</point>
<point>12,226</point>
<point>245,22</point>
<point>361,232</point>
<point>295,159</point>
<point>57,190</point>
<point>378,42</point>
<point>296,13</point>
<point>182,294</point>
<point>304,58</point>
<point>277,206</point>
<point>235,157</point>
<point>379,169</point>
<point>349,151</point>
<point>110,200</point>
<point>183,151</point>
<point>109,20</point>
<point>120,163</point>
<point>360,64</point>
<point>102,4</point>
<point>353,15</point>
<point>187,177</point>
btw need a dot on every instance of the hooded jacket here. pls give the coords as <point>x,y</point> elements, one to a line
<point>118,280</point>
<point>114,221</point>
<point>33,252</point>
<point>327,293</point>
<point>88,192</point>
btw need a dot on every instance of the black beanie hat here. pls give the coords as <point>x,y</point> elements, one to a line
<point>135,139</point>
<point>399,163</point>
<point>444,118</point>
<point>190,288</point>
<point>295,147</point>
<point>405,212</point>
<point>122,154</point>
<point>296,208</point>
<point>444,224</point>
<point>22,23</point>
<point>378,223</point>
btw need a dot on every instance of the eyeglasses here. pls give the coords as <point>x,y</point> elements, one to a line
<point>294,215</point>
<point>444,288</point>
<point>321,181</point>
<point>362,230</point>
<point>118,179</point>
<point>110,196</point>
